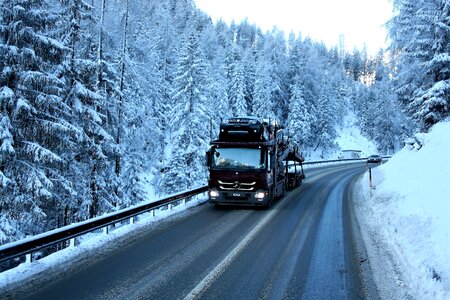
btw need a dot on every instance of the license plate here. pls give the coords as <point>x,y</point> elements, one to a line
<point>236,195</point>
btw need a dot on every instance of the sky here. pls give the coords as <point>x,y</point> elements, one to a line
<point>361,22</point>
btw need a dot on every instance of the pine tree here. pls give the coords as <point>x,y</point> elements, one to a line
<point>420,36</point>
<point>236,83</point>
<point>299,118</point>
<point>214,59</point>
<point>92,156</point>
<point>249,64</point>
<point>325,128</point>
<point>262,97</point>
<point>190,116</point>
<point>145,75</point>
<point>34,130</point>
<point>276,53</point>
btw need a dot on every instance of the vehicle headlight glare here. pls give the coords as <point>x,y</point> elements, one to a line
<point>213,193</point>
<point>260,195</point>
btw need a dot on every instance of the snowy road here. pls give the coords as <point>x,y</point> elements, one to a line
<point>303,247</point>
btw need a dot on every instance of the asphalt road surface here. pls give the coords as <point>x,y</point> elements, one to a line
<point>303,247</point>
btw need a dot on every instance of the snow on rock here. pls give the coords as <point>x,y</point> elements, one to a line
<point>409,211</point>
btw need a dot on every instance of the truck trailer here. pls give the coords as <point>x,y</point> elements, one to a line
<point>251,163</point>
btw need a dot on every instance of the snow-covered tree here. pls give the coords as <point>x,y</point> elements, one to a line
<point>34,131</point>
<point>420,33</point>
<point>300,117</point>
<point>190,119</point>
<point>275,52</point>
<point>91,155</point>
<point>262,95</point>
<point>236,82</point>
<point>214,59</point>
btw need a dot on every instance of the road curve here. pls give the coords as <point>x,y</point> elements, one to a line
<point>301,248</point>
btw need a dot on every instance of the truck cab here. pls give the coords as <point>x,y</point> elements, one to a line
<point>246,163</point>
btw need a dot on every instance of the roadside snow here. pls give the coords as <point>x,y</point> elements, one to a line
<point>406,218</point>
<point>147,179</point>
<point>87,245</point>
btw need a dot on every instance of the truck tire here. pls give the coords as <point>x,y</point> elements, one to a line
<point>269,201</point>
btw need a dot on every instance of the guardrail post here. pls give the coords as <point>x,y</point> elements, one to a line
<point>170,206</point>
<point>28,258</point>
<point>132,220</point>
<point>183,201</point>
<point>72,242</point>
<point>106,229</point>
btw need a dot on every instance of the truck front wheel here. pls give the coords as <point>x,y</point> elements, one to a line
<point>269,201</point>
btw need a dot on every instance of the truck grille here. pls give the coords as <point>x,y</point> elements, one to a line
<point>237,186</point>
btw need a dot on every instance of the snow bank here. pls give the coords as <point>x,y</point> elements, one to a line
<point>409,212</point>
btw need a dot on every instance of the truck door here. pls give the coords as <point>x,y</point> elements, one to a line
<point>269,167</point>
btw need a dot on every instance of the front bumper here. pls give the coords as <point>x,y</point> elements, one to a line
<point>242,198</point>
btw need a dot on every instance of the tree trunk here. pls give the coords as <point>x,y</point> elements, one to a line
<point>100,48</point>
<point>121,87</point>
<point>93,207</point>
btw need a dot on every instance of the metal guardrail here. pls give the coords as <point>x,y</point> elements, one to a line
<point>53,237</point>
<point>339,160</point>
<point>318,162</point>
<point>33,244</point>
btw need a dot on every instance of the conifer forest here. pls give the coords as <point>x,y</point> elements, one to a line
<point>94,93</point>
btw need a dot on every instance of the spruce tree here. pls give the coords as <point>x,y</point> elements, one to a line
<point>34,131</point>
<point>189,120</point>
<point>420,34</point>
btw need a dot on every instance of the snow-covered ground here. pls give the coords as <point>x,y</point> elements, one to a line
<point>405,220</point>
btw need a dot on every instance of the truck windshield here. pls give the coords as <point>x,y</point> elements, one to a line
<point>238,158</point>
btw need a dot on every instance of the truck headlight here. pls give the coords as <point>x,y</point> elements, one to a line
<point>213,193</point>
<point>260,195</point>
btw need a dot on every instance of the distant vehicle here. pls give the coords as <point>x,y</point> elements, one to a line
<point>374,158</point>
<point>350,154</point>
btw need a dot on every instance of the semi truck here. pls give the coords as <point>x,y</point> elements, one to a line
<point>252,163</point>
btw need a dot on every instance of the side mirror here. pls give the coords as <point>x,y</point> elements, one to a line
<point>208,158</point>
